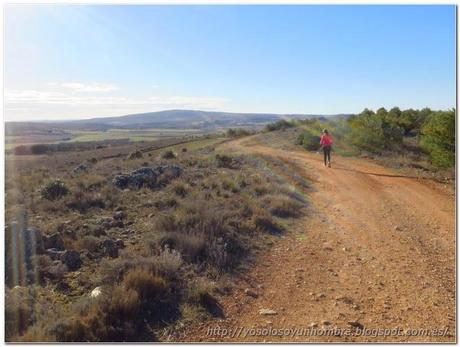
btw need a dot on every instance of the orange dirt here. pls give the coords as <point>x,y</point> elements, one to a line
<point>374,248</point>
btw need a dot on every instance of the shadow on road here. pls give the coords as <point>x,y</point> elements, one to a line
<point>378,174</point>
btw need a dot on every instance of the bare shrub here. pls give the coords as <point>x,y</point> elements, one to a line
<point>179,189</point>
<point>89,242</point>
<point>166,222</point>
<point>168,263</point>
<point>147,285</point>
<point>284,207</point>
<point>228,184</point>
<point>135,155</point>
<point>261,189</point>
<point>200,293</point>
<point>113,271</point>
<point>110,195</point>
<point>82,200</point>
<point>223,160</point>
<point>165,202</point>
<point>264,222</point>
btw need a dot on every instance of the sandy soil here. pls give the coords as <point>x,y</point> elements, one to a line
<point>375,250</point>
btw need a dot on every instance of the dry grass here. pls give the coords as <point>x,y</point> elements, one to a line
<point>181,236</point>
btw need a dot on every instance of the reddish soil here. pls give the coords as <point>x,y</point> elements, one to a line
<point>374,250</point>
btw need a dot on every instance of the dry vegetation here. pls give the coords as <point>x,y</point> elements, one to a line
<point>109,250</point>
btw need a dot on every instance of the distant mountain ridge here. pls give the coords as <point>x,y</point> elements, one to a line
<point>192,118</point>
<point>178,119</point>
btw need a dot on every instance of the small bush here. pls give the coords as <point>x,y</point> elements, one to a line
<point>180,189</point>
<point>91,243</point>
<point>284,207</point>
<point>54,190</point>
<point>260,189</point>
<point>264,222</point>
<point>147,285</point>
<point>309,141</point>
<point>168,154</point>
<point>168,263</point>
<point>279,125</point>
<point>113,271</point>
<point>39,149</point>
<point>223,160</point>
<point>237,132</point>
<point>135,155</point>
<point>166,222</point>
<point>83,201</point>
<point>191,246</point>
<point>110,196</point>
<point>228,184</point>
<point>165,202</point>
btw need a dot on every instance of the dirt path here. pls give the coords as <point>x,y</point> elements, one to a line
<point>375,249</point>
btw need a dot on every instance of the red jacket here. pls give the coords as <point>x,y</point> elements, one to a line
<point>326,140</point>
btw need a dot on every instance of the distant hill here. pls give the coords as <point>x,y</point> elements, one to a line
<point>192,119</point>
<point>178,119</point>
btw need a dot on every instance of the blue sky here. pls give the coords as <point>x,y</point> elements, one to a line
<point>78,61</point>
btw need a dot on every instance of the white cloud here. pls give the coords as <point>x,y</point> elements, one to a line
<point>59,103</point>
<point>91,87</point>
<point>84,87</point>
<point>51,97</point>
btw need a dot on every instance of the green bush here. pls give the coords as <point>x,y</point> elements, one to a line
<point>373,132</point>
<point>54,190</point>
<point>39,149</point>
<point>237,132</point>
<point>309,141</point>
<point>168,154</point>
<point>223,160</point>
<point>438,138</point>
<point>281,124</point>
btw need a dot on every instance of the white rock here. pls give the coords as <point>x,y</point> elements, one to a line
<point>96,292</point>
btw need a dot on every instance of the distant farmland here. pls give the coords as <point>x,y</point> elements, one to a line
<point>132,135</point>
<point>70,136</point>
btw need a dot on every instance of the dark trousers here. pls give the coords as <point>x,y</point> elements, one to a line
<point>327,154</point>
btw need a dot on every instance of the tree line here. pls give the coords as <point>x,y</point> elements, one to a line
<point>434,132</point>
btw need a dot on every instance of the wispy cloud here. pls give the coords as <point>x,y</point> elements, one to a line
<point>88,100</point>
<point>62,98</point>
<point>85,87</point>
<point>52,97</point>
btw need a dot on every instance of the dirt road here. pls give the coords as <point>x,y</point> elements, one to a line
<point>375,250</point>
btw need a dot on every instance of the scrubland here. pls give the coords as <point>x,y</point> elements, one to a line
<point>91,259</point>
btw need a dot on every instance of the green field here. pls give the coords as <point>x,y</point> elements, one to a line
<point>132,135</point>
<point>152,134</point>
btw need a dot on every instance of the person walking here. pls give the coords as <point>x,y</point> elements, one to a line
<point>326,143</point>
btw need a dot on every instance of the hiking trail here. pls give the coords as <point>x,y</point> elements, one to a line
<point>375,249</point>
